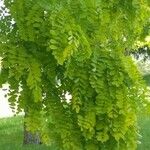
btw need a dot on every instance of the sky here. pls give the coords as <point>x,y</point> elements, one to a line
<point>5,110</point>
<point>1,2</point>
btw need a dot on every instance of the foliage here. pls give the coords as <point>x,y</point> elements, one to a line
<point>141,55</point>
<point>11,129</point>
<point>50,48</point>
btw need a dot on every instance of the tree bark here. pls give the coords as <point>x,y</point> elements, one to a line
<point>30,138</point>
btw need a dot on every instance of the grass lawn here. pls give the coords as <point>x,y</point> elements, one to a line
<point>11,135</point>
<point>144,124</point>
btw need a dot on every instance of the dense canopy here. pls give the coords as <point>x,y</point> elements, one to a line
<point>51,47</point>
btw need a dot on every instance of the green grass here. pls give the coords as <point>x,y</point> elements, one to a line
<point>11,135</point>
<point>144,124</point>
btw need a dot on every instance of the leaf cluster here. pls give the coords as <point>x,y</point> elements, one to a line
<point>50,48</point>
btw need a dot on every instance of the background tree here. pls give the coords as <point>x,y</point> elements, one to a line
<point>50,48</point>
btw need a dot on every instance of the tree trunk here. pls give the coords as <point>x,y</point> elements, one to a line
<point>30,138</point>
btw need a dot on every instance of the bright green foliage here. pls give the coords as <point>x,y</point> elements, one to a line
<point>76,47</point>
